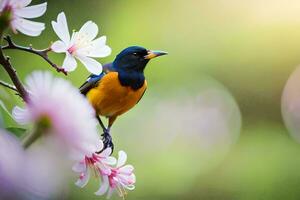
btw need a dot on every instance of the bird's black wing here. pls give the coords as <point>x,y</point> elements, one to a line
<point>93,80</point>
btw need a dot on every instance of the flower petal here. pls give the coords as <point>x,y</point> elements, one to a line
<point>79,167</point>
<point>110,160</point>
<point>92,65</point>
<point>122,159</point>
<point>110,192</point>
<point>96,48</point>
<point>129,187</point>
<point>27,27</point>
<point>20,115</point>
<point>23,3</point>
<point>84,179</point>
<point>32,11</point>
<point>106,152</point>
<point>127,170</point>
<point>61,28</point>
<point>70,63</point>
<point>89,30</point>
<point>104,186</point>
<point>59,47</point>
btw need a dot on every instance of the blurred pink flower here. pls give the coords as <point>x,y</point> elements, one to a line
<point>120,178</point>
<point>35,174</point>
<point>60,107</point>
<point>98,163</point>
<point>11,158</point>
<point>81,45</point>
<point>19,10</point>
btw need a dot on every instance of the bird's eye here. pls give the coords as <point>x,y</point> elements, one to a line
<point>135,54</point>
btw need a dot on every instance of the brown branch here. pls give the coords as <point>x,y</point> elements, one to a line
<point>5,62</point>
<point>9,86</point>
<point>42,53</point>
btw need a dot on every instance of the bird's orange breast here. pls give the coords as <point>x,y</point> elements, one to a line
<point>110,98</point>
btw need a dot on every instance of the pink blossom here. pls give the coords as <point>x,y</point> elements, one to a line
<point>120,178</point>
<point>25,174</point>
<point>11,158</point>
<point>99,163</point>
<point>60,107</point>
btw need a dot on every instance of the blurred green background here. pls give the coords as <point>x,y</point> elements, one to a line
<point>210,124</point>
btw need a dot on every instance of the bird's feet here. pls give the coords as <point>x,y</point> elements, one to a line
<point>107,140</point>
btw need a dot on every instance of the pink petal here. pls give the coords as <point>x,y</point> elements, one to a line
<point>84,179</point>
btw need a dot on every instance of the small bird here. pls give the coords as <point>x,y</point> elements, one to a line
<point>119,87</point>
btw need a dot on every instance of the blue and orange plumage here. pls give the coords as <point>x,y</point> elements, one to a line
<point>119,87</point>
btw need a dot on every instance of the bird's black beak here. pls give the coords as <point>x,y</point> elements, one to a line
<point>152,54</point>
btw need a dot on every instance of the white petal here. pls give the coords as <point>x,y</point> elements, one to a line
<point>70,63</point>
<point>96,48</point>
<point>132,178</point>
<point>20,115</point>
<point>105,170</point>
<point>109,193</point>
<point>32,11</point>
<point>84,180</point>
<point>110,160</point>
<point>129,187</point>
<point>106,152</point>
<point>122,158</point>
<point>104,186</point>
<point>59,47</point>
<point>92,65</point>
<point>89,30</point>
<point>61,28</point>
<point>27,27</point>
<point>127,169</point>
<point>23,3</point>
<point>79,167</point>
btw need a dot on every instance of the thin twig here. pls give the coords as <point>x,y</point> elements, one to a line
<point>42,53</point>
<point>9,86</point>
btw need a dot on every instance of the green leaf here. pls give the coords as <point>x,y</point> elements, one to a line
<point>19,132</point>
<point>2,105</point>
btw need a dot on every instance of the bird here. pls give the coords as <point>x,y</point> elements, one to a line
<point>119,87</point>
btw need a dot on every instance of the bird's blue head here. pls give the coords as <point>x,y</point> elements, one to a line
<point>135,58</point>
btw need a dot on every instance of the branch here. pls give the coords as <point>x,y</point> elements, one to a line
<point>5,62</point>
<point>42,53</point>
<point>9,86</point>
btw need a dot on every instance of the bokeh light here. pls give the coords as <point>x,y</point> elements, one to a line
<point>291,104</point>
